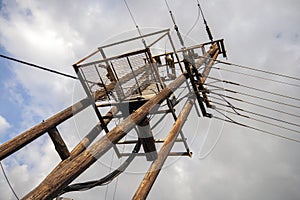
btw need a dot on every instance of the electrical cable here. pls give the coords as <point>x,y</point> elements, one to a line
<point>135,23</point>
<point>259,130</point>
<point>257,105</point>
<point>258,120</point>
<point>175,25</point>
<point>8,182</point>
<point>38,66</point>
<point>193,26</point>
<point>255,76</point>
<point>253,113</point>
<point>108,178</point>
<point>258,70</point>
<point>205,22</point>
<point>252,88</point>
<point>253,96</point>
<point>251,68</point>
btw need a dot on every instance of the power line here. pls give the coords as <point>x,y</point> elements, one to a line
<point>258,70</point>
<point>253,113</point>
<point>205,22</point>
<point>257,105</point>
<point>252,88</point>
<point>175,25</point>
<point>258,120</point>
<point>135,23</point>
<point>255,76</point>
<point>8,182</point>
<point>252,68</point>
<point>257,129</point>
<point>253,96</point>
<point>38,66</point>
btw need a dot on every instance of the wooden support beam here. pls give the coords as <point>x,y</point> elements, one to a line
<point>151,175</point>
<point>210,64</point>
<point>33,133</point>
<point>59,143</point>
<point>70,169</point>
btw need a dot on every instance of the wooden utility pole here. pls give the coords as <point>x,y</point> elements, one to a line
<point>150,177</point>
<point>87,151</point>
<point>156,166</point>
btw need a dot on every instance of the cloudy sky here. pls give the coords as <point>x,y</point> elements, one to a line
<point>245,164</point>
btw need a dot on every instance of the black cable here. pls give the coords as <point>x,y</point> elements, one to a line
<point>108,178</point>
<point>135,23</point>
<point>39,67</point>
<point>258,120</point>
<point>251,68</point>
<point>253,113</point>
<point>255,76</point>
<point>205,22</point>
<point>8,182</point>
<point>258,70</point>
<point>175,25</point>
<point>257,105</point>
<point>252,88</point>
<point>257,129</point>
<point>253,96</point>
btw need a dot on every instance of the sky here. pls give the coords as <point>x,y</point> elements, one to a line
<point>245,164</point>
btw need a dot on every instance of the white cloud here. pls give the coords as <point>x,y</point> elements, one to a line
<point>56,34</point>
<point>4,125</point>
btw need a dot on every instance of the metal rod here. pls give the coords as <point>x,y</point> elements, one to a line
<point>136,38</point>
<point>156,141</point>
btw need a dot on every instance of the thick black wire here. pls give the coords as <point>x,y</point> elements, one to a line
<point>253,113</point>
<point>257,129</point>
<point>107,179</point>
<point>258,70</point>
<point>8,182</point>
<point>252,88</point>
<point>253,96</point>
<point>252,68</point>
<point>254,104</point>
<point>255,76</point>
<point>258,120</point>
<point>38,66</point>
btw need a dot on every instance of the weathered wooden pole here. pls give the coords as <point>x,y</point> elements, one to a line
<point>70,168</point>
<point>33,133</point>
<point>59,143</point>
<point>28,136</point>
<point>156,166</point>
<point>150,177</point>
